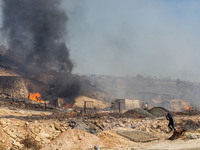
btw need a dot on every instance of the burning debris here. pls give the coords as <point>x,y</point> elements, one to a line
<point>173,104</point>
<point>36,97</point>
<point>35,32</point>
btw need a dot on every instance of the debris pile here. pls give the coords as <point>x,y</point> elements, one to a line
<point>176,134</point>
<point>138,112</point>
<point>158,111</point>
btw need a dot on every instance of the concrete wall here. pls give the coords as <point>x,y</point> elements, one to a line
<point>126,104</point>
<point>131,104</point>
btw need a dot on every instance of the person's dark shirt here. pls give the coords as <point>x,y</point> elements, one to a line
<point>170,119</point>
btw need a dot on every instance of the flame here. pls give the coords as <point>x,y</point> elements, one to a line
<point>72,114</point>
<point>187,108</point>
<point>36,97</point>
<point>67,106</point>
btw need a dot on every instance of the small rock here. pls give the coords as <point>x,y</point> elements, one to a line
<point>192,136</point>
<point>122,125</point>
<point>17,144</point>
<point>37,139</point>
<point>79,137</point>
<point>57,126</point>
<point>107,121</point>
<point>52,125</point>
<point>43,135</point>
<point>1,122</point>
<point>158,130</point>
<point>37,130</point>
<point>46,141</point>
<point>62,129</point>
<point>96,147</point>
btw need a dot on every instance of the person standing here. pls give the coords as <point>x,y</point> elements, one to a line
<point>171,122</point>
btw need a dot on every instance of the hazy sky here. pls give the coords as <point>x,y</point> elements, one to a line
<point>128,37</point>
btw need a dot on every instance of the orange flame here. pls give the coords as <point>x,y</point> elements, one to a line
<point>150,106</point>
<point>67,106</point>
<point>188,108</point>
<point>72,114</point>
<point>36,97</point>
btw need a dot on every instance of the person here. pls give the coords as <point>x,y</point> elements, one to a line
<point>171,122</point>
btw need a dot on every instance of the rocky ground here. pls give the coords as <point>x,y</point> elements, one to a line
<point>31,129</point>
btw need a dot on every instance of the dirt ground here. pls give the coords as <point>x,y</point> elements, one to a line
<point>18,133</point>
<point>178,144</point>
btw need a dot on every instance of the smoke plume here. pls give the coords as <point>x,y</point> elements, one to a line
<point>35,31</point>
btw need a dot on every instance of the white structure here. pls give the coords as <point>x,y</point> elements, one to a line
<point>122,105</point>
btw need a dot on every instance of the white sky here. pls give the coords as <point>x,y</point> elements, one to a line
<point>128,37</point>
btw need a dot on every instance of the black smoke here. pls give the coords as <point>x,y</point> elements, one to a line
<point>35,32</point>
